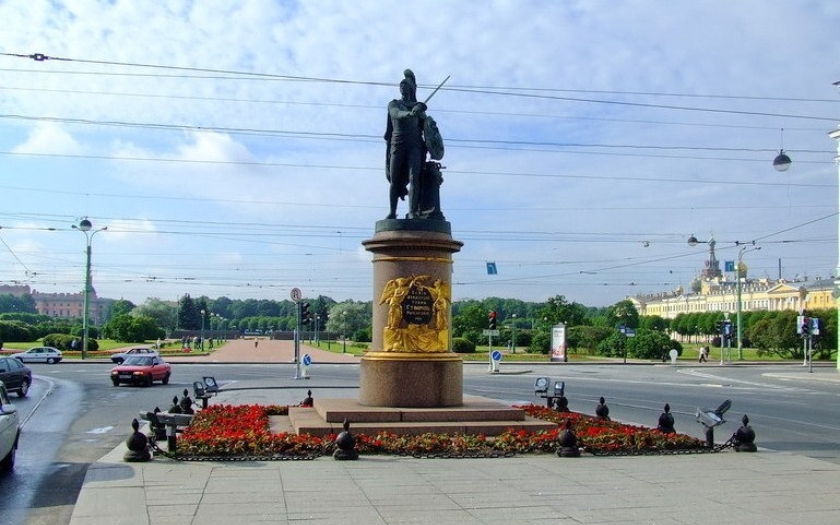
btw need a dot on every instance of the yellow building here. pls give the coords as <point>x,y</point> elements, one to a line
<point>713,291</point>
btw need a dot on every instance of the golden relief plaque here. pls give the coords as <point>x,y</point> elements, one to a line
<point>418,315</point>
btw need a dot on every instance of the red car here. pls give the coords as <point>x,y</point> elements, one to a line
<point>141,370</point>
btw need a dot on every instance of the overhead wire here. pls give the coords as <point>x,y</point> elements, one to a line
<point>466,143</point>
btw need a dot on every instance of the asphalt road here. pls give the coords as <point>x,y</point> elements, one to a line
<point>74,415</point>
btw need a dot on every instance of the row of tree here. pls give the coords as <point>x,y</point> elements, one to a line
<point>521,324</point>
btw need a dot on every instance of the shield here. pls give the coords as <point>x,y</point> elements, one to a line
<point>434,142</point>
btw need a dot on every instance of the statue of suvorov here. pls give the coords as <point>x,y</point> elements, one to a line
<point>410,136</point>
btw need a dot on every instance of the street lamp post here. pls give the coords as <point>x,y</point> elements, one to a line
<point>201,339</point>
<point>85,227</point>
<point>739,271</point>
<point>317,317</point>
<point>344,332</point>
<point>513,334</point>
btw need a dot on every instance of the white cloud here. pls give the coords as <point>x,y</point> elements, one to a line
<point>51,138</point>
<point>605,135</point>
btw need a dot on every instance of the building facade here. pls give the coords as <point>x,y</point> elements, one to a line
<point>715,291</point>
<point>63,305</point>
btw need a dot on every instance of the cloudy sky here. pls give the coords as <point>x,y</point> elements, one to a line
<point>234,147</point>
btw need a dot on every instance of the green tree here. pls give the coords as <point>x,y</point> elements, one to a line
<point>222,306</point>
<point>16,331</point>
<point>650,344</point>
<point>164,313</point>
<point>189,317</point>
<point>247,308</point>
<point>120,307</point>
<point>587,337</point>
<point>653,322</point>
<point>132,329</point>
<point>345,318</point>
<point>470,322</point>
<point>267,308</point>
<point>624,313</point>
<point>558,310</point>
<point>17,304</point>
<point>777,335</point>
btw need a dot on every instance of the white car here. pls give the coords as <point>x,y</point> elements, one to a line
<point>9,431</point>
<point>40,354</point>
<point>140,350</point>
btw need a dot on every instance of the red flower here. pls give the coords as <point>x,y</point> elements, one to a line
<point>227,430</point>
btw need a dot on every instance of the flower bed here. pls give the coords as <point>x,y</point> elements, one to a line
<point>243,430</point>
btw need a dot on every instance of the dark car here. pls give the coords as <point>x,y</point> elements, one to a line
<point>141,370</point>
<point>15,375</point>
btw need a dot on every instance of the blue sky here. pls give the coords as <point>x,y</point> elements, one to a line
<point>235,147</point>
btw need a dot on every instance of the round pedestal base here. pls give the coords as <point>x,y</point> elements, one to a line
<point>410,380</point>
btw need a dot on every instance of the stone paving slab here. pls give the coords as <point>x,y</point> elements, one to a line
<point>736,488</point>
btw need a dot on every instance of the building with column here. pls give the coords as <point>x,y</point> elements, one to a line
<point>716,291</point>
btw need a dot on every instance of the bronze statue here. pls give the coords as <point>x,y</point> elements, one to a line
<point>411,135</point>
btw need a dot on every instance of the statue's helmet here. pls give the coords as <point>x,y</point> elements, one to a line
<point>409,77</point>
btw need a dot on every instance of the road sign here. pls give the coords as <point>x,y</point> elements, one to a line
<point>496,355</point>
<point>296,294</point>
<point>490,332</point>
<point>306,360</point>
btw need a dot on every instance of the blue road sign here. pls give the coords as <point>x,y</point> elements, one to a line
<point>496,355</point>
<point>307,360</point>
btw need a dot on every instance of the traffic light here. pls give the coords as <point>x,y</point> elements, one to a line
<point>727,329</point>
<point>305,314</point>
<point>815,326</point>
<point>492,320</point>
<point>803,325</point>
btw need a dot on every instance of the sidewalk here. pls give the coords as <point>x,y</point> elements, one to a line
<point>765,488</point>
<point>760,489</point>
<point>266,351</point>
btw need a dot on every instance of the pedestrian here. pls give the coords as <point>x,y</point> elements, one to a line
<point>703,354</point>
<point>256,343</point>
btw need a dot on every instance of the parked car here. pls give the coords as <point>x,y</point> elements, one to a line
<point>140,350</point>
<point>15,375</point>
<point>9,431</point>
<point>141,370</point>
<point>39,354</point>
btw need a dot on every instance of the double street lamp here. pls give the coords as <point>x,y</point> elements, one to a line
<point>85,226</point>
<point>739,274</point>
<point>201,340</point>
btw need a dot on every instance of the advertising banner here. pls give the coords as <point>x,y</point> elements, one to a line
<point>558,343</point>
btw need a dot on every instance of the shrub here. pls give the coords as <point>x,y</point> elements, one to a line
<point>362,335</point>
<point>15,331</point>
<point>462,346</point>
<point>63,342</point>
<point>540,343</point>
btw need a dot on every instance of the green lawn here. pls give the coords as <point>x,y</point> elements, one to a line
<point>690,353</point>
<point>106,348</point>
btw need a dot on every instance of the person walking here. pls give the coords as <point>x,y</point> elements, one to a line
<point>704,354</point>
